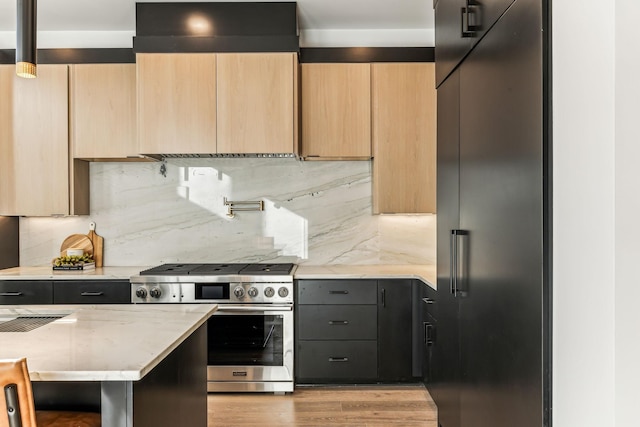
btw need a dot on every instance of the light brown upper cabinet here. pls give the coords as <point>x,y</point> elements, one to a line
<point>336,111</point>
<point>40,179</point>
<point>103,112</point>
<point>404,138</point>
<point>257,102</point>
<point>176,103</point>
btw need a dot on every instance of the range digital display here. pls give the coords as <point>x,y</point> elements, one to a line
<point>212,291</point>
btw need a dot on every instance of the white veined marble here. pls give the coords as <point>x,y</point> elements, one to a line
<point>100,342</point>
<point>315,213</point>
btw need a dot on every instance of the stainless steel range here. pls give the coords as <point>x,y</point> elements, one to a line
<point>250,337</point>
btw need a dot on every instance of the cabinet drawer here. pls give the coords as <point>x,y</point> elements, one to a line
<point>26,292</point>
<point>336,322</point>
<point>337,360</point>
<point>92,292</point>
<point>337,292</point>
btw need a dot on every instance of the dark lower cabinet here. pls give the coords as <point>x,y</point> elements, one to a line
<point>92,292</point>
<point>16,292</point>
<point>394,330</point>
<point>353,331</point>
<point>21,292</point>
<point>337,361</point>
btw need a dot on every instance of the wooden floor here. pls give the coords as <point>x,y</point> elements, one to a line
<point>353,406</point>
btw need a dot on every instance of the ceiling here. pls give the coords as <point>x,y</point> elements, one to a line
<point>321,22</point>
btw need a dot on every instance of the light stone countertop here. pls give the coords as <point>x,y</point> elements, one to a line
<point>426,273</point>
<point>100,342</point>
<point>47,273</point>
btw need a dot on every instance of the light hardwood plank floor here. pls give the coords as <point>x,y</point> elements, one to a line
<point>347,406</point>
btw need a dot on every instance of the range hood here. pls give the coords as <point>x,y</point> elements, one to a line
<point>221,27</point>
<point>216,27</point>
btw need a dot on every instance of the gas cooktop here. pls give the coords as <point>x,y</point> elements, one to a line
<point>218,270</point>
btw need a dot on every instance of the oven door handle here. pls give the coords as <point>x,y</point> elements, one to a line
<point>228,308</point>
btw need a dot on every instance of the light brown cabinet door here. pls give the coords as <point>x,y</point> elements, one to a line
<point>176,103</point>
<point>256,97</point>
<point>36,176</point>
<point>336,111</point>
<point>103,111</point>
<point>404,138</point>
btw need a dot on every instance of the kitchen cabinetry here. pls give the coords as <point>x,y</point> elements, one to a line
<point>459,25</point>
<point>103,111</point>
<point>426,332</point>
<point>336,111</point>
<point>92,292</point>
<point>39,179</point>
<point>16,292</point>
<point>353,331</point>
<point>257,99</point>
<point>445,387</point>
<point>394,330</point>
<point>492,203</point>
<point>20,292</point>
<point>176,103</point>
<point>404,138</point>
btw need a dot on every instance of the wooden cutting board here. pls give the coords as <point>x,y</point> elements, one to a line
<point>80,241</point>
<point>97,243</point>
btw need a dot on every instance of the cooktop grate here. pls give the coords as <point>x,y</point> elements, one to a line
<point>27,323</point>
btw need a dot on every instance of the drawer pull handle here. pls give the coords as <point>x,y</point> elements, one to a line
<point>338,322</point>
<point>338,359</point>
<point>338,292</point>
<point>11,294</point>
<point>92,294</point>
<point>428,300</point>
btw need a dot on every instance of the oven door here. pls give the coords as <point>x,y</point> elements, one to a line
<point>250,348</point>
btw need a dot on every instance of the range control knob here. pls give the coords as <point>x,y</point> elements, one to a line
<point>283,292</point>
<point>269,292</point>
<point>238,292</point>
<point>155,292</point>
<point>141,293</point>
<point>253,292</point>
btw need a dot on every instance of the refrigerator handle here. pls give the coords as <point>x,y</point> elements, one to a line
<point>453,255</point>
<point>459,258</point>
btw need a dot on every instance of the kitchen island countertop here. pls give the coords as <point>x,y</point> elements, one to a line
<point>100,342</point>
<point>425,273</point>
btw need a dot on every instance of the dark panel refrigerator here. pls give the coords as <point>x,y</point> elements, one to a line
<point>9,242</point>
<point>492,231</point>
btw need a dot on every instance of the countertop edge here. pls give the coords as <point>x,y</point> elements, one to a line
<point>424,273</point>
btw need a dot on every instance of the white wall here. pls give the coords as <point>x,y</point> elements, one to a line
<point>584,274</point>
<point>627,249</point>
<point>596,201</point>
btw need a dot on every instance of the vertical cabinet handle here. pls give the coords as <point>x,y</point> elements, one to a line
<point>458,261</point>
<point>429,333</point>
<point>468,28</point>
<point>384,298</point>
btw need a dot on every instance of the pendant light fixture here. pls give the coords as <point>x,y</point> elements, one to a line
<point>26,39</point>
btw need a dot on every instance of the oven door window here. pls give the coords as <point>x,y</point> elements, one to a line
<point>251,340</point>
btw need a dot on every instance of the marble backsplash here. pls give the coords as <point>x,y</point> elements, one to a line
<point>314,213</point>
